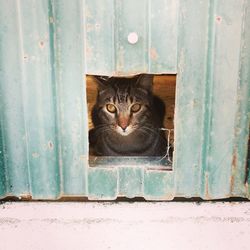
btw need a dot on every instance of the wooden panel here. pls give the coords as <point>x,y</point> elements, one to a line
<point>164,87</point>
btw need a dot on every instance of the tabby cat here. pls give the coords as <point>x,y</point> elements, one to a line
<point>127,118</point>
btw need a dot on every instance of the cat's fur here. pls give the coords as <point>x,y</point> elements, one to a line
<point>127,133</point>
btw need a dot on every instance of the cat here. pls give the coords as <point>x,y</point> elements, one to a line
<point>127,118</point>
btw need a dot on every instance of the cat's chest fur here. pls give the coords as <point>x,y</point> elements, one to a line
<point>137,144</point>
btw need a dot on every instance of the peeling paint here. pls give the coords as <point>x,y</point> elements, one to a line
<point>35,155</point>
<point>153,54</point>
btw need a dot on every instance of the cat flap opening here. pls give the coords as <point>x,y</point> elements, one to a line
<point>131,119</point>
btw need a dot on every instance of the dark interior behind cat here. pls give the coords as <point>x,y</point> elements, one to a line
<point>127,118</point>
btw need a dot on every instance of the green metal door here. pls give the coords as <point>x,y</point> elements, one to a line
<point>48,46</point>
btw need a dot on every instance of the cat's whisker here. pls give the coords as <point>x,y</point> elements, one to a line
<point>160,137</point>
<point>103,125</point>
<point>134,126</point>
<point>101,131</point>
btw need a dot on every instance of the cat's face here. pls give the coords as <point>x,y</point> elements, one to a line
<point>124,103</point>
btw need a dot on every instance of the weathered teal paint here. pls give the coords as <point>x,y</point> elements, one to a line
<point>69,67</point>
<point>223,84</point>
<point>103,183</point>
<point>43,95</point>
<point>163,23</point>
<point>131,181</point>
<point>38,90</point>
<point>12,104</point>
<point>48,46</point>
<point>100,30</point>
<point>243,110</point>
<point>158,185</point>
<point>2,167</point>
<point>191,83</point>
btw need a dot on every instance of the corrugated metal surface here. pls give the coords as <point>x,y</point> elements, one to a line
<point>47,47</point>
<point>213,53</point>
<point>43,106</point>
<point>108,26</point>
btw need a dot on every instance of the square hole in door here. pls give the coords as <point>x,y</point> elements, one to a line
<point>163,92</point>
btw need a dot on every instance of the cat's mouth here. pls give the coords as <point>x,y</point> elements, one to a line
<point>124,131</point>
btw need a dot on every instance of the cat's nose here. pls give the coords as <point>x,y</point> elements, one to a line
<point>123,123</point>
<point>124,128</point>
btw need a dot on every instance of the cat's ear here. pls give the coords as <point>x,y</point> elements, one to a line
<point>102,82</point>
<point>145,81</point>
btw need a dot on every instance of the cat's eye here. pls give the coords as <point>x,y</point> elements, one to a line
<point>111,108</point>
<point>136,107</point>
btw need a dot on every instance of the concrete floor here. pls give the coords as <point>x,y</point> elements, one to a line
<point>123,225</point>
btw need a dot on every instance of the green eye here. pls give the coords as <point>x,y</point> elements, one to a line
<point>111,108</point>
<point>136,107</point>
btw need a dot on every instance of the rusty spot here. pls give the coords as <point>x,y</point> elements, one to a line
<point>41,44</point>
<point>153,54</point>
<point>234,161</point>
<point>218,19</point>
<point>207,195</point>
<point>50,145</point>
<point>25,58</point>
<point>234,166</point>
<point>247,166</point>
